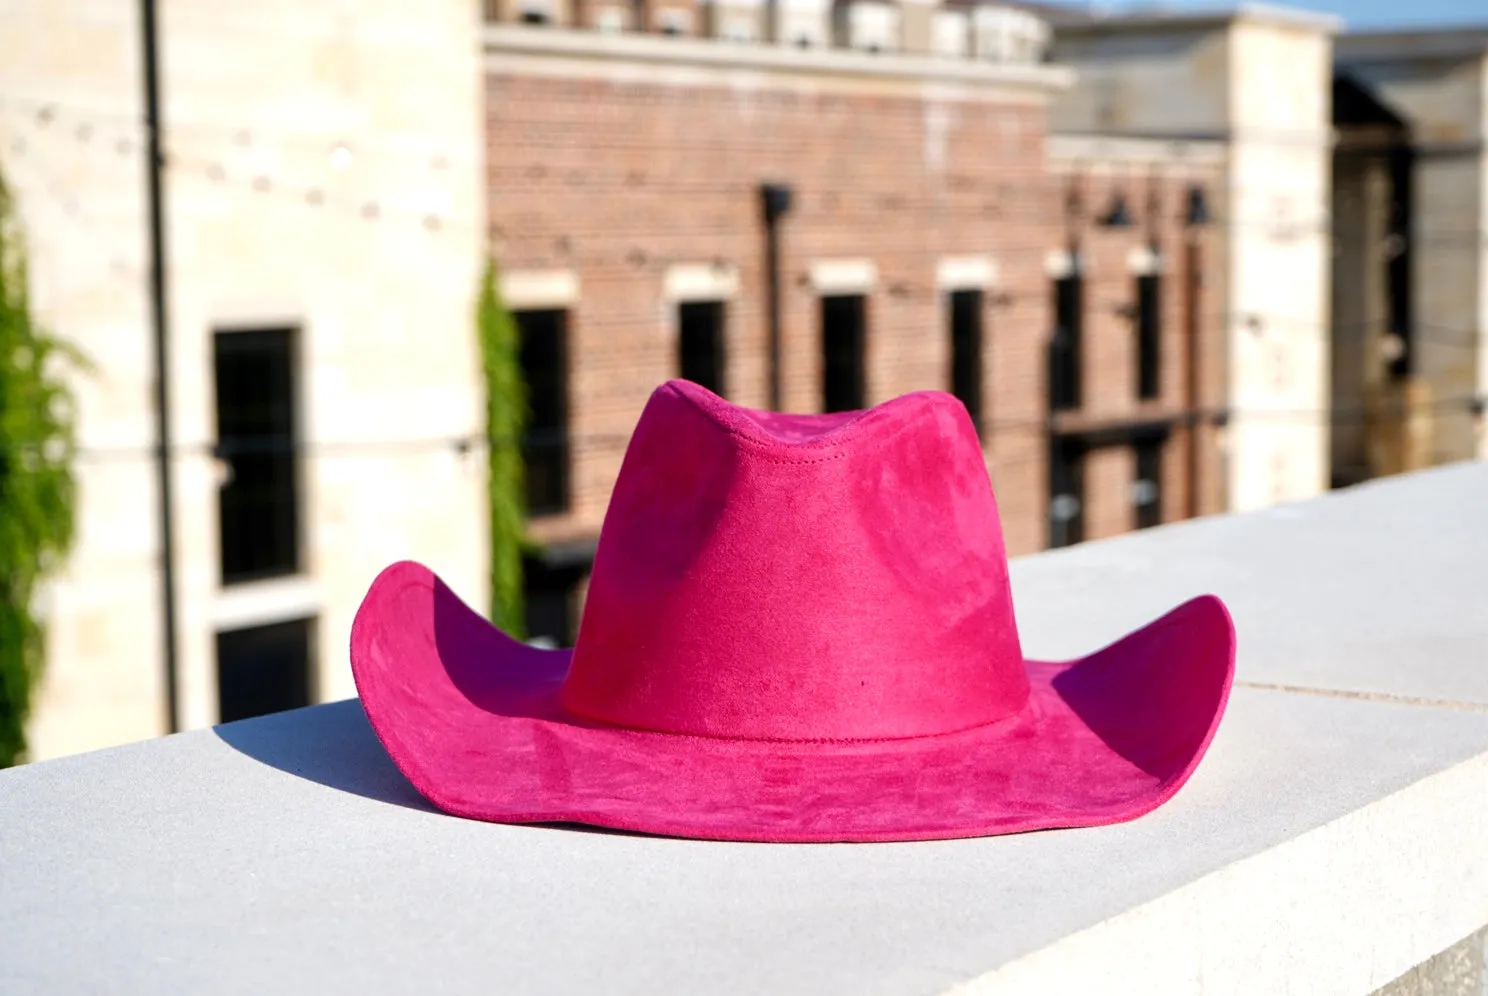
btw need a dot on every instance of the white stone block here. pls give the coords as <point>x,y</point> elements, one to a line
<point>951,33</point>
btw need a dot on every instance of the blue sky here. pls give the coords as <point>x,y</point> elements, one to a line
<point>1391,14</point>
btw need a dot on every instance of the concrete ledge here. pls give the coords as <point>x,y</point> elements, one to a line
<point>1461,970</point>
<point>953,273</point>
<point>1098,155</point>
<point>540,288</point>
<point>1332,842</point>
<point>1352,905</point>
<point>842,276</point>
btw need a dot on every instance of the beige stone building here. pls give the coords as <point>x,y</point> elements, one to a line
<point>1251,89</point>
<point>324,213</point>
<point>1410,368</point>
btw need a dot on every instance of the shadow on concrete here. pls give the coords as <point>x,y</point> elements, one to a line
<point>332,745</point>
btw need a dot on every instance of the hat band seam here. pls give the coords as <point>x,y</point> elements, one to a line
<point>1021,709</point>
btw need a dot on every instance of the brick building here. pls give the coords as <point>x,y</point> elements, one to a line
<point>895,192</point>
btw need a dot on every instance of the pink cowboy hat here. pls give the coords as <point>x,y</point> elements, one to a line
<point>798,628</point>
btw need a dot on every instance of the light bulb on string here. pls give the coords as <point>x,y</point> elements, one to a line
<point>341,156</point>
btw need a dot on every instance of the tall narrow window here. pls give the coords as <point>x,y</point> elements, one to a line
<point>966,352</point>
<point>1064,346</point>
<point>257,426</point>
<point>1147,488</point>
<point>544,357</point>
<point>700,343</point>
<point>264,669</point>
<point>843,331</point>
<point>1149,336</point>
<point>1066,492</point>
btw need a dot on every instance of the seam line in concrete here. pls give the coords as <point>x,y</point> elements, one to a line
<point>1339,693</point>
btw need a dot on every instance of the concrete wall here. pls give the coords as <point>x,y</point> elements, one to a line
<point>1280,158</point>
<point>374,256</point>
<point>1445,103</point>
<point>1259,83</point>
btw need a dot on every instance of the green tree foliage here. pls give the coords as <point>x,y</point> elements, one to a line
<point>506,425</point>
<point>37,488</point>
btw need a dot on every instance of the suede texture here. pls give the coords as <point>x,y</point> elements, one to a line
<point>798,628</point>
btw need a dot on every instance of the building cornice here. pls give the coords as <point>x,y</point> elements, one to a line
<point>567,51</point>
<point>1145,22</point>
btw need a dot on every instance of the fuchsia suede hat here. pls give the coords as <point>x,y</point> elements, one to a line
<point>798,628</point>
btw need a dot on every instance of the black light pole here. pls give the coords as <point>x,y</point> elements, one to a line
<point>154,164</point>
<point>775,201</point>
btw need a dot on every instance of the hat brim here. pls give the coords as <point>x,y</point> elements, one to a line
<point>471,718</point>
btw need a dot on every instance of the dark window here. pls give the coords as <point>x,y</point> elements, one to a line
<point>1066,492</point>
<point>700,343</point>
<point>552,601</point>
<point>1400,265</point>
<point>1147,489</point>
<point>263,669</point>
<point>843,320</point>
<point>545,369</point>
<point>534,17</point>
<point>1064,346</point>
<point>258,506</point>
<point>966,352</point>
<point>1149,335</point>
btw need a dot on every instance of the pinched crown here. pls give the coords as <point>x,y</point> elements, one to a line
<point>774,577</point>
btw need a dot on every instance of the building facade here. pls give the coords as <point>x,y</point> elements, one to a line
<point>323,228</point>
<point>824,226</point>
<point>1254,86</point>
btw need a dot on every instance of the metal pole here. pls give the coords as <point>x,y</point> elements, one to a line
<point>154,168</point>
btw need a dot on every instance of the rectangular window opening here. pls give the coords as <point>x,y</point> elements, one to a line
<point>1064,346</point>
<point>1149,336</point>
<point>544,360</point>
<point>966,352</point>
<point>1066,493</point>
<point>257,438</point>
<point>843,331</point>
<point>1147,488</point>
<point>700,344</point>
<point>264,669</point>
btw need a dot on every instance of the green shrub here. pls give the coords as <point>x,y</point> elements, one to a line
<point>37,488</point>
<point>506,425</point>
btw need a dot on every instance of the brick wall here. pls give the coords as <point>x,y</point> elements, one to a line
<point>1110,342</point>
<point>616,180</point>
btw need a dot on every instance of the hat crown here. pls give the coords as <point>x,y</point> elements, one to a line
<point>774,577</point>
